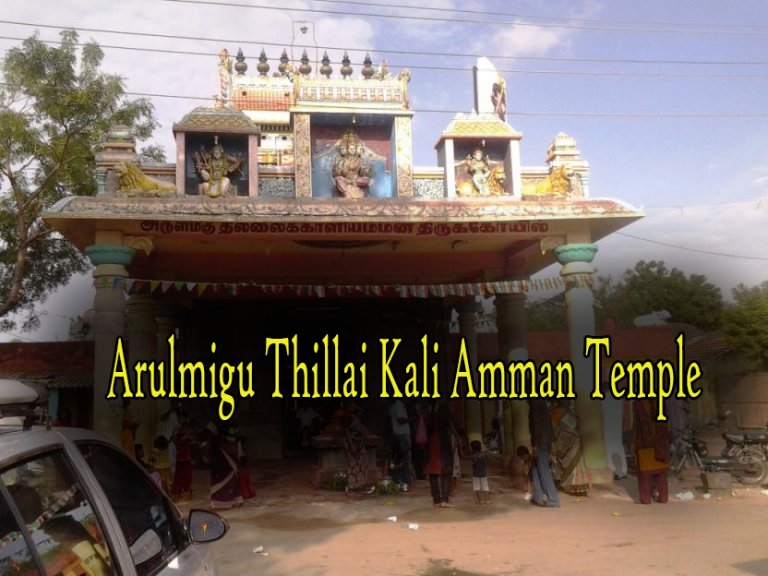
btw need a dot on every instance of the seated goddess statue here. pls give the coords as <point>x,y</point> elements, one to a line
<point>351,173</point>
<point>214,168</point>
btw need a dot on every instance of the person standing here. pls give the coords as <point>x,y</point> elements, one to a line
<point>128,437</point>
<point>354,446</point>
<point>652,451</point>
<point>439,463</point>
<point>480,474</point>
<point>225,487</point>
<point>401,432</point>
<point>417,450</point>
<point>171,419</point>
<point>183,439</point>
<point>542,436</point>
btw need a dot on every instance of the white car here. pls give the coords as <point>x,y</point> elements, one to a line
<point>73,504</point>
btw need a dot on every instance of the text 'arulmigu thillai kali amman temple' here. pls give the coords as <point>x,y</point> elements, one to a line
<point>294,207</point>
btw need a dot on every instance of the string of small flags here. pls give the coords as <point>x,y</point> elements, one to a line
<point>136,286</point>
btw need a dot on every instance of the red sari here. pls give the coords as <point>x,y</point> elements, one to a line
<point>247,490</point>
<point>182,480</point>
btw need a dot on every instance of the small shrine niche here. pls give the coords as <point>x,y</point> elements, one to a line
<point>480,155</point>
<point>217,153</point>
<point>356,156</point>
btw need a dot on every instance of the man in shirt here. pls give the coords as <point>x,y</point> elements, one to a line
<point>401,432</point>
<point>542,435</point>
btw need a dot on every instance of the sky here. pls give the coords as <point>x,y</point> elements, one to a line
<point>703,182</point>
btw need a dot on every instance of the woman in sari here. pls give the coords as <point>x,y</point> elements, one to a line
<point>354,447</point>
<point>225,487</point>
<point>183,438</point>
<point>440,453</point>
<point>128,436</point>
<point>571,475</point>
<point>652,451</point>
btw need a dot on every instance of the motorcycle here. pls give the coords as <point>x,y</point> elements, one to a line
<point>744,456</point>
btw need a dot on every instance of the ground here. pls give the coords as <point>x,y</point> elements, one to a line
<point>306,532</point>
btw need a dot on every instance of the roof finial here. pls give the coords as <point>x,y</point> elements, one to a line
<point>368,70</point>
<point>326,69</point>
<point>263,65</point>
<point>305,69</point>
<point>346,69</point>
<point>240,65</point>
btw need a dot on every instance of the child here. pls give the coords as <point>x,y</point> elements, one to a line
<point>139,450</point>
<point>247,490</point>
<point>480,474</point>
<point>160,459</point>
<point>520,471</point>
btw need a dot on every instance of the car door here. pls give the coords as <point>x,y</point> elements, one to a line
<point>143,512</point>
<point>59,528</point>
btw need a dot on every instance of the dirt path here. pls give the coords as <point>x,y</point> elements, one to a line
<point>314,533</point>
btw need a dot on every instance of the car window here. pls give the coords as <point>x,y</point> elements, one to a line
<point>61,520</point>
<point>15,556</point>
<point>137,502</point>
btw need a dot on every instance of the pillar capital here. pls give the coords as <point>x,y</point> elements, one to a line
<point>576,258</point>
<point>470,307</point>
<point>106,254</point>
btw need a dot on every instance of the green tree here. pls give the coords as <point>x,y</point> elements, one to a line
<point>646,288</point>
<point>745,322</point>
<point>650,287</point>
<point>55,105</point>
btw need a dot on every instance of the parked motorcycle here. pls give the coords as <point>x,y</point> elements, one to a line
<point>744,455</point>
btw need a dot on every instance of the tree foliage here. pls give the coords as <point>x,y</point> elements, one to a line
<point>646,288</point>
<point>745,322</point>
<point>652,287</point>
<point>55,105</point>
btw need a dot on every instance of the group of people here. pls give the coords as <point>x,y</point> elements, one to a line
<point>557,462</point>
<point>170,462</point>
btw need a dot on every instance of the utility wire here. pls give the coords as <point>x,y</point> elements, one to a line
<point>394,51</point>
<point>724,255</point>
<point>470,21</point>
<point>435,68</point>
<point>352,109</point>
<point>532,16</point>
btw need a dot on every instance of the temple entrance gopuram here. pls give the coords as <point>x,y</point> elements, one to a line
<point>294,207</point>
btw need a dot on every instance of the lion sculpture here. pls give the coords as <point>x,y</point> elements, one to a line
<point>133,182</point>
<point>556,184</point>
<point>495,184</point>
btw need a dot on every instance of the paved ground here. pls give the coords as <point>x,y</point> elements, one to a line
<point>313,533</point>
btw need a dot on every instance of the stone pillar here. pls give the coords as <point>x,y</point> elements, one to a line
<point>579,302</point>
<point>142,347</point>
<point>513,168</point>
<point>303,155</point>
<point>404,153</point>
<point>166,322</point>
<point>109,324</point>
<point>468,330</point>
<point>449,176</point>
<point>253,165</point>
<point>513,345</point>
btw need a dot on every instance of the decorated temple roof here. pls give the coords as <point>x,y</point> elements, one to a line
<point>225,120</point>
<point>479,126</point>
<point>262,93</point>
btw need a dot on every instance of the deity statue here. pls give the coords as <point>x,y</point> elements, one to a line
<point>350,170</point>
<point>214,166</point>
<point>225,78</point>
<point>479,168</point>
<point>499,98</point>
<point>383,73</point>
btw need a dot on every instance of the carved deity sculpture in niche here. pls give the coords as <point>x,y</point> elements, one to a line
<point>351,171</point>
<point>487,178</point>
<point>214,168</point>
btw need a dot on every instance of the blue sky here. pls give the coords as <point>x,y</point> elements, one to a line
<point>661,164</point>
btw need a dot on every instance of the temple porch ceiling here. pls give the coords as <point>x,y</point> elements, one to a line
<point>357,242</point>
